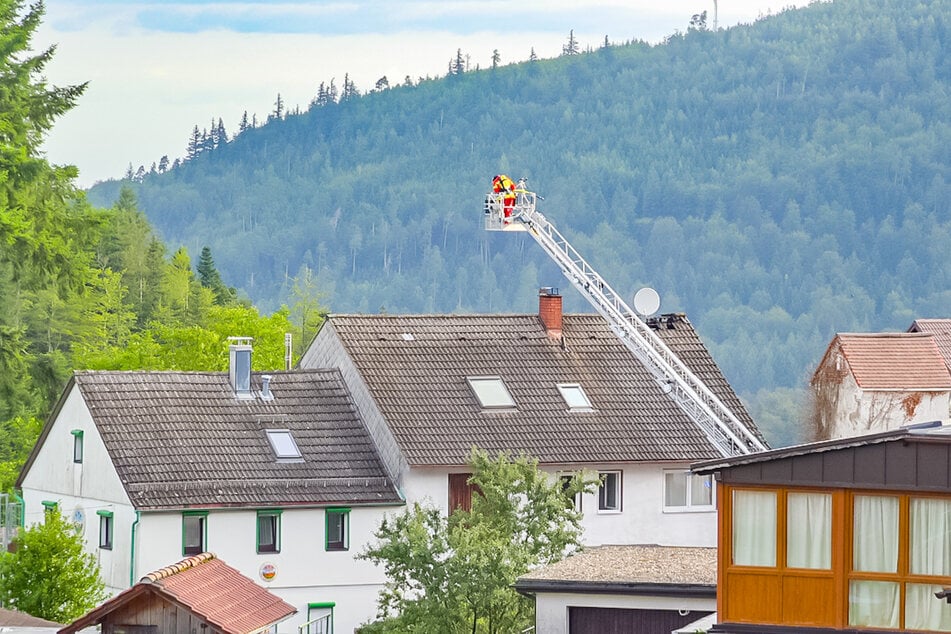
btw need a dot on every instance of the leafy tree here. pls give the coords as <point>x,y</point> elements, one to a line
<point>455,575</point>
<point>48,574</point>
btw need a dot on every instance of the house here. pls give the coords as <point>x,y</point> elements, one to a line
<point>199,593</point>
<point>843,535</point>
<point>561,388</point>
<point>624,589</point>
<point>22,623</point>
<point>274,472</point>
<point>873,382</point>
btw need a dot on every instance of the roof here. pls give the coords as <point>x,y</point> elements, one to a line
<point>940,329</point>
<point>629,569</point>
<point>893,360</point>
<point>182,439</point>
<point>416,366</point>
<point>207,587</point>
<point>13,618</point>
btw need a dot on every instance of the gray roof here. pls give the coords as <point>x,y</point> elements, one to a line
<point>415,367</point>
<point>182,439</point>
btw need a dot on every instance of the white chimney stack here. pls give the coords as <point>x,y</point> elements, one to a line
<point>239,366</point>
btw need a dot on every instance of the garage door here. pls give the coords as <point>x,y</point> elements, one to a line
<point>619,621</point>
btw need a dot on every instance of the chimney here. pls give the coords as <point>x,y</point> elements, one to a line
<point>266,394</point>
<point>239,366</point>
<point>549,310</point>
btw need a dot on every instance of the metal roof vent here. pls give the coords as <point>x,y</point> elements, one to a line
<point>239,366</point>
<point>266,394</point>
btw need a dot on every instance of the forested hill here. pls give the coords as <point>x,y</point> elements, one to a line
<point>778,181</point>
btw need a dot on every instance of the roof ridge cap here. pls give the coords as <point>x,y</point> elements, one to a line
<point>184,564</point>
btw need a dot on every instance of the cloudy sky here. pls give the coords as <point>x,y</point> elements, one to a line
<point>157,68</point>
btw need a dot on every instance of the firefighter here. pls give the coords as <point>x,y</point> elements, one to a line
<point>504,185</point>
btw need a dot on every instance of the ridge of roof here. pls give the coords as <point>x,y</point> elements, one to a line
<point>185,564</point>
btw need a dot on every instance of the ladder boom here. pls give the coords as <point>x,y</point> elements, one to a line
<point>727,433</point>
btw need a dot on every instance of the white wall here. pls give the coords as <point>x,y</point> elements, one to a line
<point>81,489</point>
<point>551,608</point>
<point>642,519</point>
<point>871,411</point>
<point>306,571</point>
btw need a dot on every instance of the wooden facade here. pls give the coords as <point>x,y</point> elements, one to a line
<point>904,469</point>
<point>153,613</point>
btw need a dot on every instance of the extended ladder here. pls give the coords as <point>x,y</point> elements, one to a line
<point>720,425</point>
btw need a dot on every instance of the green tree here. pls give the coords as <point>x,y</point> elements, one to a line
<point>448,575</point>
<point>209,277</point>
<point>48,574</point>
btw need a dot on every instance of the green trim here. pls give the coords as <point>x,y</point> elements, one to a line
<point>326,605</point>
<point>132,551</point>
<point>78,445</point>
<point>276,513</point>
<point>345,538</point>
<point>105,518</point>
<point>50,505</point>
<point>104,513</point>
<point>204,530</point>
<point>321,605</point>
<point>77,432</point>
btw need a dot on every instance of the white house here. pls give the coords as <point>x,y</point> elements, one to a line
<point>561,388</point>
<point>274,473</point>
<point>874,382</point>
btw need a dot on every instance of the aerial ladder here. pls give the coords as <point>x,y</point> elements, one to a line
<point>724,430</point>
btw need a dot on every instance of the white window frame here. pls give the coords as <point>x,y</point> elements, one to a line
<point>619,480</point>
<point>283,456</point>
<point>688,506</point>
<point>573,392</point>
<point>565,478</point>
<point>476,383</point>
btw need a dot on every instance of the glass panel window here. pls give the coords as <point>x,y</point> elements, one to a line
<point>687,491</point>
<point>609,491</point>
<point>269,531</point>
<point>491,392</point>
<point>193,533</point>
<point>809,530</point>
<point>571,501</point>
<point>930,537</point>
<point>873,604</point>
<point>754,528</point>
<point>77,446</point>
<point>675,489</point>
<point>574,396</point>
<point>923,611</point>
<point>338,529</point>
<point>283,444</point>
<point>875,533</point>
<point>701,489</point>
<point>105,530</point>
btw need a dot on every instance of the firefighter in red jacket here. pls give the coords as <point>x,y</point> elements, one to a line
<point>504,185</point>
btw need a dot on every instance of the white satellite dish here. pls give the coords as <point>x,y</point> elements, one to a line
<point>646,301</point>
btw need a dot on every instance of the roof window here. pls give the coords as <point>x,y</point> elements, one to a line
<point>575,397</point>
<point>283,444</point>
<point>491,392</point>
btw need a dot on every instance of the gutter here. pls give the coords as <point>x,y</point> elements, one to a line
<point>132,551</point>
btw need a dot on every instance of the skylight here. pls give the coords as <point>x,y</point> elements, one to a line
<point>283,444</point>
<point>491,392</point>
<point>574,396</point>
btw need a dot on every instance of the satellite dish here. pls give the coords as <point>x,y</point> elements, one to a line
<point>646,301</point>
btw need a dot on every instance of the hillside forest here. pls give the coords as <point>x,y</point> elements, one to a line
<point>95,288</point>
<point>779,182</point>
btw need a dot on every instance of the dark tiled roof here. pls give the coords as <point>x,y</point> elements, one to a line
<point>180,439</point>
<point>14,619</point>
<point>416,367</point>
<point>206,586</point>
<point>940,329</point>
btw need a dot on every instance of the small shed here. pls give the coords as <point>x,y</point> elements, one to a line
<point>200,593</point>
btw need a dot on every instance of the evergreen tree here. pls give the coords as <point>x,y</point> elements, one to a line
<point>496,58</point>
<point>382,83</point>
<point>210,278</point>
<point>193,149</point>
<point>222,134</point>
<point>571,47</point>
<point>163,164</point>
<point>349,89</point>
<point>532,57</point>
<point>278,108</point>
<point>243,124</point>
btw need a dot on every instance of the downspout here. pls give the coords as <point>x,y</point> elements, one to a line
<point>22,508</point>
<point>132,552</point>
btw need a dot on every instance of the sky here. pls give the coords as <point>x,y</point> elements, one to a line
<point>158,68</point>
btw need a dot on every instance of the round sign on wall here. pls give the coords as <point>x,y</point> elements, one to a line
<point>268,571</point>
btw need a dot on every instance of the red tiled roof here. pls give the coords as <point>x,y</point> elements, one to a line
<point>940,329</point>
<point>211,589</point>
<point>894,361</point>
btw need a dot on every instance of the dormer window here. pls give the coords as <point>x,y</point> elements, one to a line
<point>491,392</point>
<point>575,397</point>
<point>284,446</point>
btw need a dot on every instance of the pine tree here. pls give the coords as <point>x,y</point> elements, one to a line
<point>193,148</point>
<point>349,89</point>
<point>222,133</point>
<point>243,124</point>
<point>571,48</point>
<point>532,57</point>
<point>278,108</point>
<point>163,164</point>
<point>382,83</point>
<point>496,58</point>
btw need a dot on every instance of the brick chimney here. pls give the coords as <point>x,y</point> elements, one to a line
<point>549,310</point>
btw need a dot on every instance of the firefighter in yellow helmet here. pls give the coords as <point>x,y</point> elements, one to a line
<point>504,185</point>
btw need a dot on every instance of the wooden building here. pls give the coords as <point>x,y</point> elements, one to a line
<point>845,535</point>
<point>198,594</point>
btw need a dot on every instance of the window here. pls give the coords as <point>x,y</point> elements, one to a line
<point>571,501</point>
<point>491,392</point>
<point>685,491</point>
<point>575,397</point>
<point>269,531</point>
<point>809,531</point>
<point>338,529</point>
<point>754,528</point>
<point>77,445</point>
<point>194,532</point>
<point>49,508</point>
<point>105,529</point>
<point>609,491</point>
<point>320,618</point>
<point>284,445</point>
